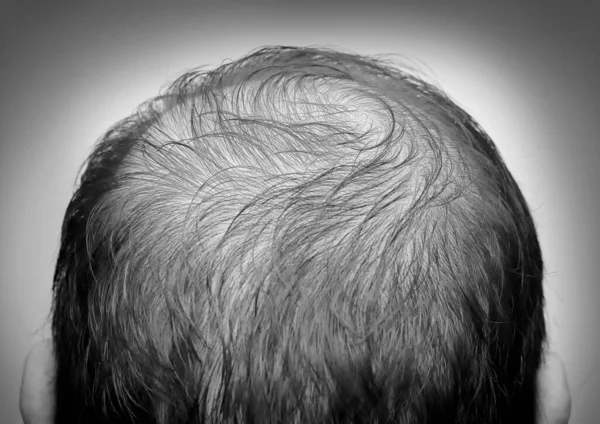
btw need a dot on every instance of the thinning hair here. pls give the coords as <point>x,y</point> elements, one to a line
<point>298,236</point>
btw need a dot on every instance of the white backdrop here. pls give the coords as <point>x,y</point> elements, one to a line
<point>527,74</point>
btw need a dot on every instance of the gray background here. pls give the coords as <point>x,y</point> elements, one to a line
<point>528,73</point>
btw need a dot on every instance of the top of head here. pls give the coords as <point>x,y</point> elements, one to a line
<point>287,129</point>
<point>302,226</point>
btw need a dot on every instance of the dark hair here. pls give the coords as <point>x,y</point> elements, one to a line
<point>298,236</point>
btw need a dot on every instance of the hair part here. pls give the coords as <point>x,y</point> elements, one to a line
<point>301,235</point>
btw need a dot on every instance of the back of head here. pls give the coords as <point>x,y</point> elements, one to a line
<point>299,236</point>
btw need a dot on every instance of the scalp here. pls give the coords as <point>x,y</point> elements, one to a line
<point>297,235</point>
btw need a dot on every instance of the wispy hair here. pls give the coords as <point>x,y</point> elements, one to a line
<point>298,236</point>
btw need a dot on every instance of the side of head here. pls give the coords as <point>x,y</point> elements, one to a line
<point>300,236</point>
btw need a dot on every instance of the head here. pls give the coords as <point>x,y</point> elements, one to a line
<point>298,236</point>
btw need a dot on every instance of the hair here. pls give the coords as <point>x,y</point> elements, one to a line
<point>298,236</point>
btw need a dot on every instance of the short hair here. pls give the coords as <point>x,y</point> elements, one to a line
<point>298,236</point>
